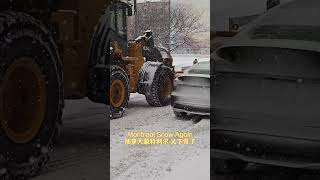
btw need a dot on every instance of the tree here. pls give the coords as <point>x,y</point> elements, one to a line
<point>171,30</point>
<point>185,22</point>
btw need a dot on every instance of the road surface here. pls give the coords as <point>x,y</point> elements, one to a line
<point>146,162</point>
<point>81,153</point>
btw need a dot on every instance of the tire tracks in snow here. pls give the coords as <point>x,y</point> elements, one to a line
<point>75,159</point>
<point>133,160</point>
<point>163,164</point>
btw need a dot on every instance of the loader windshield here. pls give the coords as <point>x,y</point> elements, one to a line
<point>118,14</point>
<point>122,20</point>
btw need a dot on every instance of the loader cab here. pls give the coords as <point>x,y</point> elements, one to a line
<point>118,13</point>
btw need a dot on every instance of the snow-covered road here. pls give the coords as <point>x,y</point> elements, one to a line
<point>82,150</point>
<point>159,162</point>
<point>148,162</point>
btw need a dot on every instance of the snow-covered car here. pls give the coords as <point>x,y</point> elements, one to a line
<point>266,93</point>
<point>191,92</point>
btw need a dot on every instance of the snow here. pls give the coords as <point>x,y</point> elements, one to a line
<point>159,162</point>
<point>146,162</point>
<point>193,166</point>
<point>82,150</point>
<point>186,60</point>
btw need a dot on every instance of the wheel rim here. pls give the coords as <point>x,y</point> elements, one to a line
<point>117,93</point>
<point>23,100</point>
<point>167,87</point>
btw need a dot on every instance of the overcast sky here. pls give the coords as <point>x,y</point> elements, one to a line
<point>202,5</point>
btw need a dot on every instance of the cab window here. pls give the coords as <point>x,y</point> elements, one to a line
<point>118,22</point>
<point>122,20</point>
<point>113,19</point>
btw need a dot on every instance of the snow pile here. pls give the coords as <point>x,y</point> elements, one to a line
<point>180,61</point>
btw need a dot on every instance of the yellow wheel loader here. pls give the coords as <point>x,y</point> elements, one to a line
<point>52,50</point>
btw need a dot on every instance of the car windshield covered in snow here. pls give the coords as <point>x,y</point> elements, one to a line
<point>200,68</point>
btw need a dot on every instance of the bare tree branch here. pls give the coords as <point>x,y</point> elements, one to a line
<point>172,30</point>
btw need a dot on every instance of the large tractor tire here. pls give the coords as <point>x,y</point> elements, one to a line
<point>119,91</point>
<point>156,82</point>
<point>31,93</point>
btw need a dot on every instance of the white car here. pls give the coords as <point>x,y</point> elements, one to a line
<point>191,92</point>
<point>266,93</point>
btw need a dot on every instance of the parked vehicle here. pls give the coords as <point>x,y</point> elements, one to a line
<point>232,15</point>
<point>266,92</point>
<point>191,94</point>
